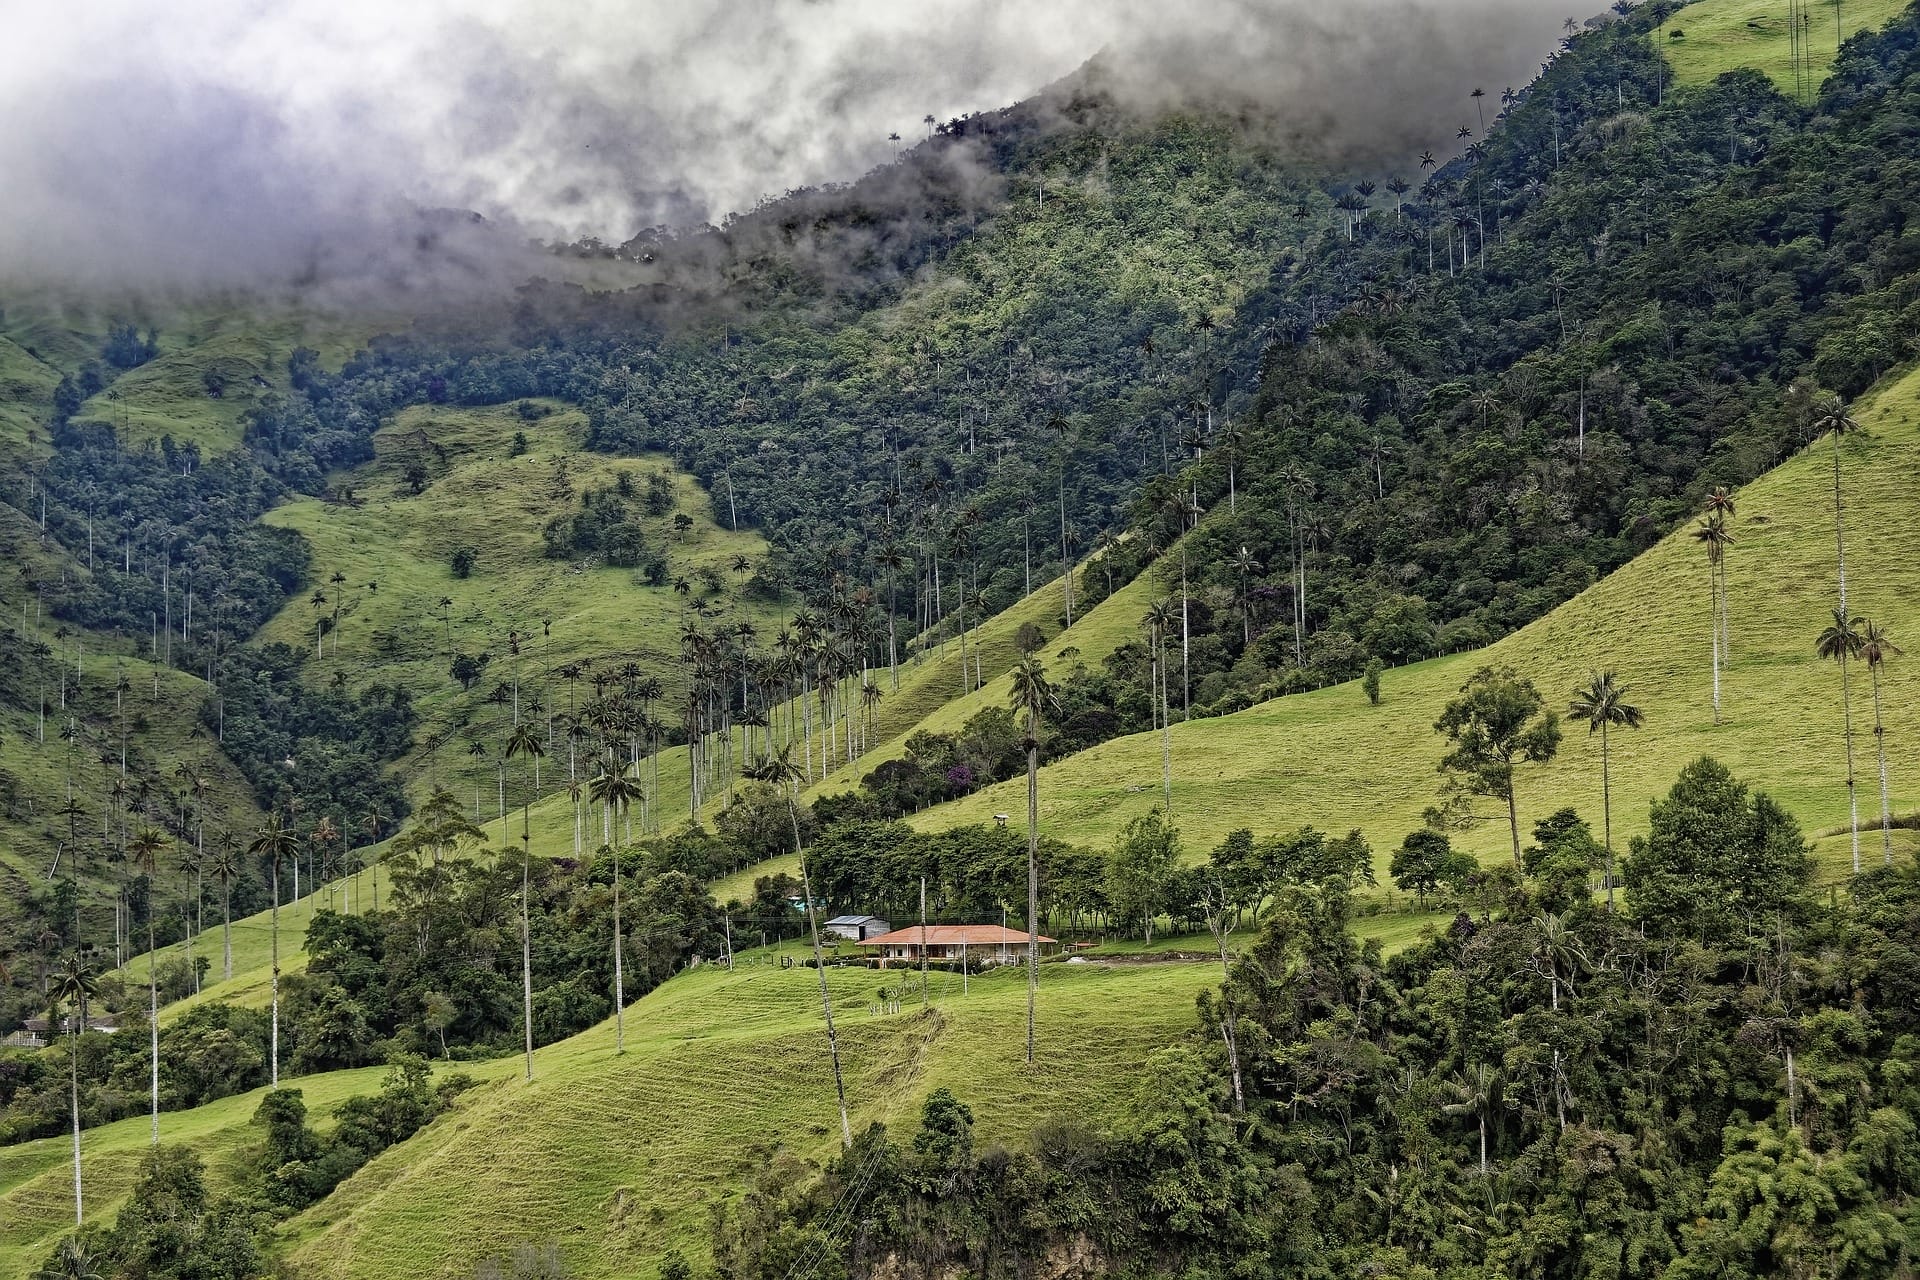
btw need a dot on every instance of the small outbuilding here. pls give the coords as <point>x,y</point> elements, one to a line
<point>971,944</point>
<point>857,928</point>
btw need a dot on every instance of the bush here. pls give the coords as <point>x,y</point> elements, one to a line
<point>462,561</point>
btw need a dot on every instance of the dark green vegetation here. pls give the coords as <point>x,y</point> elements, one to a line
<point>1718,1082</point>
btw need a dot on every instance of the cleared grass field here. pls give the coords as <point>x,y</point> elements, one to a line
<point>617,1159</point>
<point>36,1178</point>
<point>1330,759</point>
<point>26,393</point>
<point>1725,35</point>
<point>162,718</point>
<point>479,497</point>
<point>214,363</point>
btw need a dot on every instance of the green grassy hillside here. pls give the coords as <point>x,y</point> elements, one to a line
<point>395,549</point>
<point>214,362</point>
<point>26,387</point>
<point>1330,759</point>
<point>617,1159</point>
<point>929,697</point>
<point>1717,36</point>
<point>163,732</point>
<point>36,1178</point>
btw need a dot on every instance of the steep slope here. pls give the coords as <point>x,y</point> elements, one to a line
<point>617,1159</point>
<point>1330,759</point>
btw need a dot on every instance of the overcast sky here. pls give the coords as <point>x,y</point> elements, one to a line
<point>219,138</point>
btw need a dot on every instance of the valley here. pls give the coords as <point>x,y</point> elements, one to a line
<point>483,728</point>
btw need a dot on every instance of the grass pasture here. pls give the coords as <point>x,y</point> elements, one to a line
<point>214,364</point>
<point>1725,35</point>
<point>162,716</point>
<point>26,396</point>
<point>616,1159</point>
<point>1330,759</point>
<point>477,496</point>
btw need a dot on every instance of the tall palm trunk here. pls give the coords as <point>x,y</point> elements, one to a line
<point>1713,591</point>
<point>1166,732</point>
<point>1606,809</point>
<point>273,1076</point>
<point>1066,556</point>
<point>1186,686</point>
<point>1033,871</point>
<point>1880,746</point>
<point>73,1066</point>
<point>1726,618</point>
<point>820,966</point>
<point>1846,720</point>
<point>526,952</point>
<point>1839,526</point>
<point>1840,560</point>
<point>226,928</point>
<point>153,1022</point>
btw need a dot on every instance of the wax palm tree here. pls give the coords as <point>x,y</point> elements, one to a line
<point>1831,417</point>
<point>1720,503</point>
<point>225,866</point>
<point>1713,533</point>
<point>318,600</point>
<point>1160,619</point>
<point>1246,566</point>
<point>1064,431</point>
<point>1399,187</point>
<point>525,742</point>
<point>778,769</point>
<point>1475,1091</point>
<point>1032,694</point>
<point>324,834</point>
<point>374,857</point>
<point>615,793</point>
<point>891,560</point>
<point>145,849</point>
<point>1602,703</point>
<point>576,794</point>
<point>274,842</point>
<point>1558,951</point>
<point>339,581</point>
<point>1842,642</point>
<point>1231,443</point>
<point>74,984</point>
<point>1876,647</point>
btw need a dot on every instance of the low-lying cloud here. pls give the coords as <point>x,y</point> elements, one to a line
<point>229,142</point>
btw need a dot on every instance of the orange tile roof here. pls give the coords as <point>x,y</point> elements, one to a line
<point>950,935</point>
